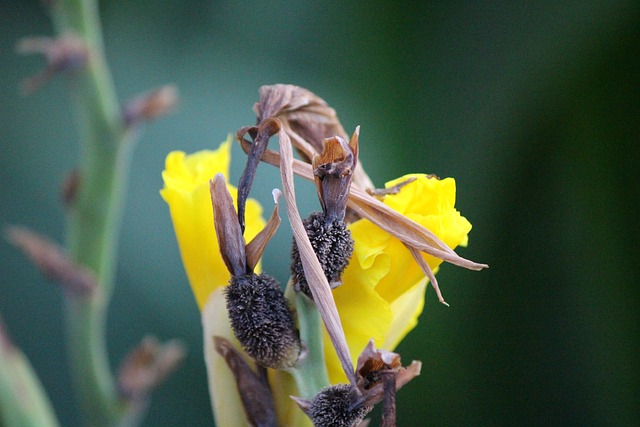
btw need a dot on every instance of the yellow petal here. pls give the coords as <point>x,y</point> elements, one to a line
<point>383,288</point>
<point>186,191</point>
<point>405,312</point>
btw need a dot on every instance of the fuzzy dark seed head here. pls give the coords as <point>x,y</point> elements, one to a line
<point>335,406</point>
<point>262,321</point>
<point>332,243</point>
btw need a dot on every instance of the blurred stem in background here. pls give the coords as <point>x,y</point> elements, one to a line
<point>94,198</point>
<point>94,217</point>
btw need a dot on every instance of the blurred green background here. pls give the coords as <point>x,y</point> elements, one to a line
<point>533,107</point>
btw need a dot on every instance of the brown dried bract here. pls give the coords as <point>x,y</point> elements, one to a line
<point>373,363</point>
<point>148,365</point>
<point>333,172</point>
<point>150,105</point>
<point>254,391</point>
<point>255,248</point>
<point>66,53</point>
<point>52,262</point>
<point>227,228</point>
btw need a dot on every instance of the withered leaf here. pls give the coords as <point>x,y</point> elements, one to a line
<point>228,230</point>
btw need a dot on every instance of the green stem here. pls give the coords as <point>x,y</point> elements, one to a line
<point>94,217</point>
<point>311,375</point>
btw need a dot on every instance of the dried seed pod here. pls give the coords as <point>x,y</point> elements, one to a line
<point>329,236</point>
<point>262,321</point>
<point>337,406</point>
<point>333,245</point>
<point>258,311</point>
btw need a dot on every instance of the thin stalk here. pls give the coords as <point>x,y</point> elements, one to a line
<point>94,217</point>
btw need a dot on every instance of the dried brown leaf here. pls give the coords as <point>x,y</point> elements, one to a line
<point>303,112</point>
<point>307,119</point>
<point>228,230</point>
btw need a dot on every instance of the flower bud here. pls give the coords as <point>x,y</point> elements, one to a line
<point>262,321</point>
<point>333,245</point>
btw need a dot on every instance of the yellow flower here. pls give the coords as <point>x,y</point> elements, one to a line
<point>186,191</point>
<point>383,287</point>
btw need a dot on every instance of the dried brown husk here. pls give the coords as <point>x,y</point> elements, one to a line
<point>372,363</point>
<point>333,173</point>
<point>254,391</point>
<point>228,230</point>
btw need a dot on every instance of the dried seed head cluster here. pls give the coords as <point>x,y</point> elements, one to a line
<point>332,243</point>
<point>262,321</point>
<point>331,240</point>
<point>338,405</point>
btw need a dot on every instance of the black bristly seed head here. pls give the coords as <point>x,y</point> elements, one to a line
<point>337,406</point>
<point>332,243</point>
<point>262,321</point>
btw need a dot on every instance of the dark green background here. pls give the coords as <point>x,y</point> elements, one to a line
<point>534,109</point>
